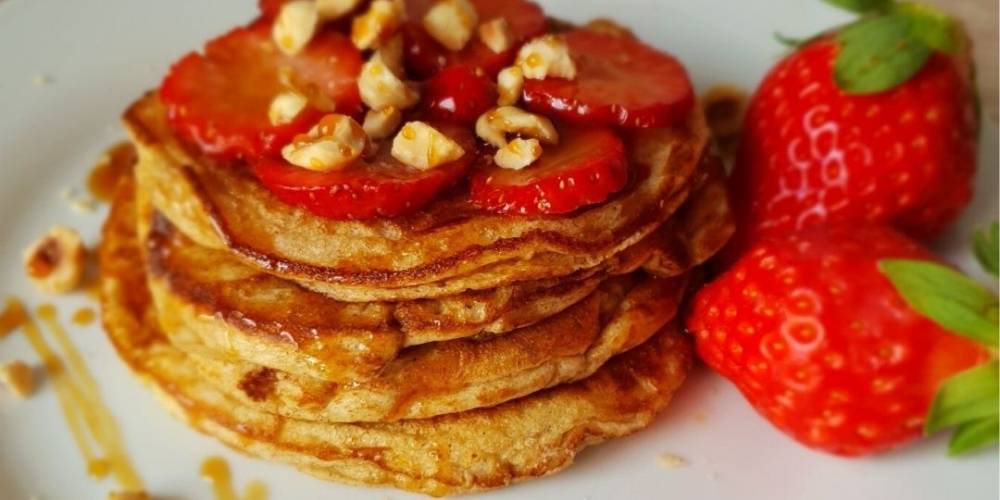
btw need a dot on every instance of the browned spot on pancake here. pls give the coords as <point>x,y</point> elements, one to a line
<point>258,384</point>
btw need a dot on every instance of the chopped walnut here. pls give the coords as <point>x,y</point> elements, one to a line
<point>451,22</point>
<point>333,143</point>
<point>494,125</point>
<point>497,34</point>
<point>379,22</point>
<point>335,9</point>
<point>546,56</point>
<point>421,146</point>
<point>510,84</point>
<point>518,153</point>
<point>382,123</point>
<point>381,88</point>
<point>295,26</point>
<point>55,263</point>
<point>285,107</point>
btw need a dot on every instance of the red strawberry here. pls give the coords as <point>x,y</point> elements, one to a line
<point>219,100</point>
<point>620,81</point>
<point>425,56</point>
<point>270,8</point>
<point>585,168</point>
<point>376,186</point>
<point>870,125</point>
<point>821,343</point>
<point>459,94</point>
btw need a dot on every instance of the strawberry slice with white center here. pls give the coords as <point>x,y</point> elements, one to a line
<point>587,166</point>
<point>620,81</point>
<point>219,99</point>
<point>375,186</point>
<point>425,56</point>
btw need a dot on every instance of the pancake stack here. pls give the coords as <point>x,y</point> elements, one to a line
<point>444,351</point>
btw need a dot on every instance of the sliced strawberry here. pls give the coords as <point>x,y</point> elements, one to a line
<point>459,94</point>
<point>270,8</point>
<point>586,167</point>
<point>378,186</point>
<point>620,81</point>
<point>425,56</point>
<point>219,100</point>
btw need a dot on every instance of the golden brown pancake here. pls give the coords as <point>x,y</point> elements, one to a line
<point>458,375</point>
<point>447,248</point>
<point>423,381</point>
<point>222,308</point>
<point>478,449</point>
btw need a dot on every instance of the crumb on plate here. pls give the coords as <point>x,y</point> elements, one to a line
<point>671,461</point>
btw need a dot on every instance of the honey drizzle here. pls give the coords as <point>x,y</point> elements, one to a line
<point>109,169</point>
<point>11,318</point>
<point>255,490</point>
<point>54,368</point>
<point>215,470</point>
<point>85,414</point>
<point>84,316</point>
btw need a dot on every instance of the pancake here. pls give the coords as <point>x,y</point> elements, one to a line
<point>423,381</point>
<point>474,450</point>
<point>458,375</point>
<point>446,248</point>
<point>221,308</point>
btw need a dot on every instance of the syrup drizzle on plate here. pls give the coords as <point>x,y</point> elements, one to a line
<point>114,163</point>
<point>215,470</point>
<point>84,316</point>
<point>90,423</point>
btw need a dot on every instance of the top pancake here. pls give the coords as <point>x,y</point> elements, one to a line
<point>447,247</point>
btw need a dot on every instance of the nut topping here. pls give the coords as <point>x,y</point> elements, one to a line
<point>285,107</point>
<point>335,142</point>
<point>497,34</point>
<point>381,88</point>
<point>295,26</point>
<point>518,153</point>
<point>379,22</point>
<point>55,263</point>
<point>421,146</point>
<point>494,126</point>
<point>546,56</point>
<point>382,123</point>
<point>451,22</point>
<point>335,9</point>
<point>510,84</point>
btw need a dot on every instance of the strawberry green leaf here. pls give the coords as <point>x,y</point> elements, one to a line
<point>946,297</point>
<point>877,54</point>
<point>965,397</point>
<point>986,244</point>
<point>935,28</point>
<point>790,42</point>
<point>861,6</point>
<point>975,434</point>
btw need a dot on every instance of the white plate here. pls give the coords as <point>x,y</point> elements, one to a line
<point>102,54</point>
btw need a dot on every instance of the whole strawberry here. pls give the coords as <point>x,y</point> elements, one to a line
<point>874,123</point>
<point>816,336</point>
